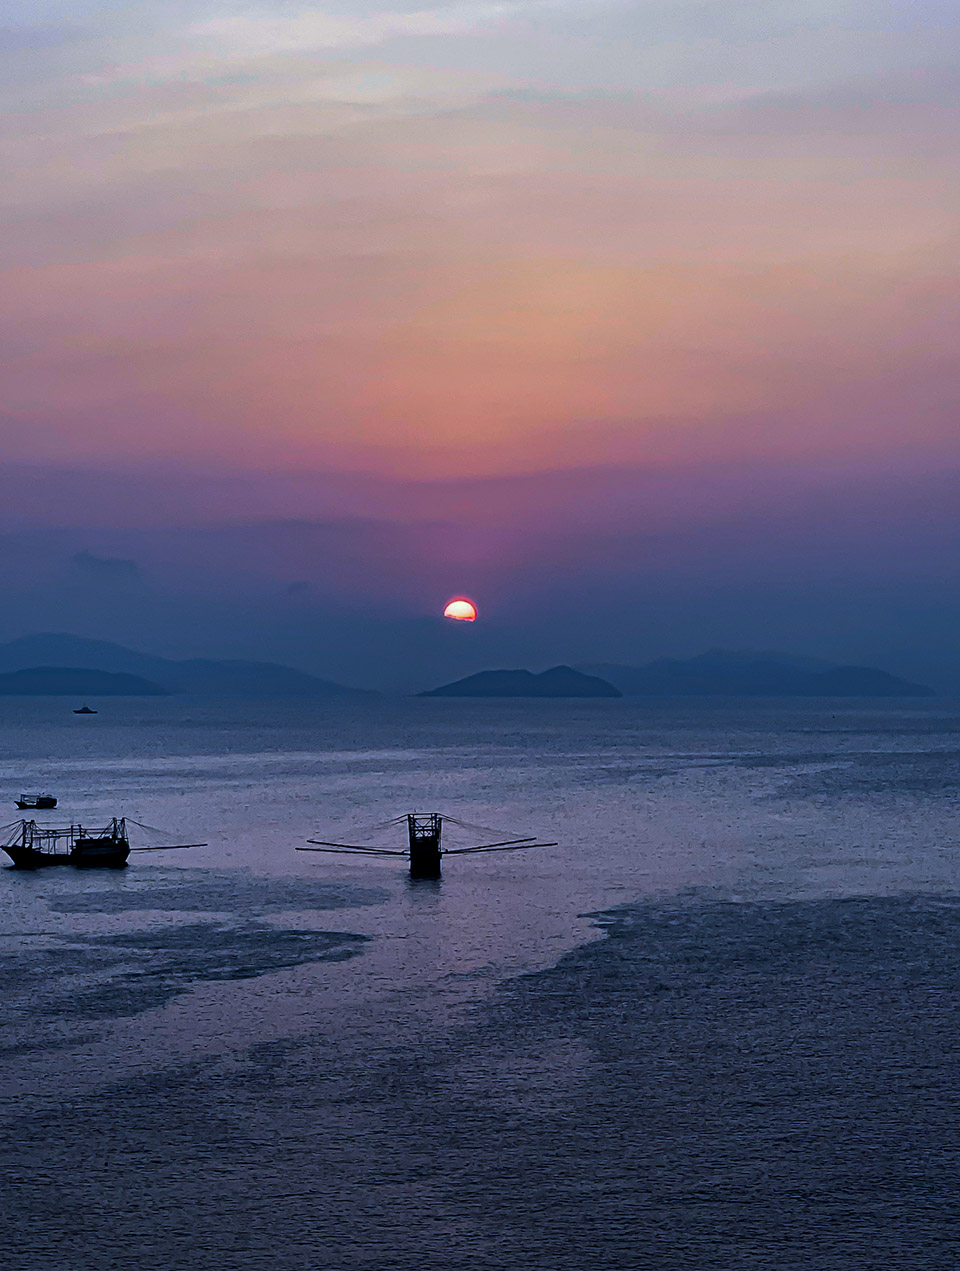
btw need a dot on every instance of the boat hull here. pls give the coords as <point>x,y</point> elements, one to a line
<point>107,854</point>
<point>100,853</point>
<point>29,858</point>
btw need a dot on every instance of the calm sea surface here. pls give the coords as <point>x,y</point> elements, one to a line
<point>717,1027</point>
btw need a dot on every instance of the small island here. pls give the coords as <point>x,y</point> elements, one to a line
<point>559,681</point>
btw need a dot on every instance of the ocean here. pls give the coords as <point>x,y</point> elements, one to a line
<point>717,1026</point>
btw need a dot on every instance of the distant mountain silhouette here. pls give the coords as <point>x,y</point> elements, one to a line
<point>721,673</point>
<point>201,677</point>
<point>559,681</point>
<point>73,681</point>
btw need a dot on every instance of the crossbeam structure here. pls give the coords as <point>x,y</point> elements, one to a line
<point>424,844</point>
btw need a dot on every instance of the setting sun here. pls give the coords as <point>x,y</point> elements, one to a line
<point>461,610</point>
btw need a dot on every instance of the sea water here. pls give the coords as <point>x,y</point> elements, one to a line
<point>717,1026</point>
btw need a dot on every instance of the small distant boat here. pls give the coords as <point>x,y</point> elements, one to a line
<point>31,846</point>
<point>37,802</point>
<point>85,710</point>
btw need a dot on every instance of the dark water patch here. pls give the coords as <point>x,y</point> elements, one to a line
<point>925,774</point>
<point>44,1040</point>
<point>159,965</point>
<point>216,891</point>
<point>709,1086</point>
<point>792,759</point>
<point>810,772</point>
<point>106,977</point>
<point>772,1085</point>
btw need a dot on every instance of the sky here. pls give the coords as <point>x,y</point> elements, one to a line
<point>635,322</point>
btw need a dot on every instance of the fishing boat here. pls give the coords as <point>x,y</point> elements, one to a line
<point>37,802</point>
<point>85,710</point>
<point>424,842</point>
<point>34,846</point>
<point>31,846</point>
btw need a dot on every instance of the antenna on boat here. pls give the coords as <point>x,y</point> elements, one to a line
<point>424,843</point>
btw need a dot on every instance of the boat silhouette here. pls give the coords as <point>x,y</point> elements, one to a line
<point>31,846</point>
<point>36,801</point>
<point>85,710</point>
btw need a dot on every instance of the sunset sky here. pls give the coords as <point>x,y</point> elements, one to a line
<point>637,322</point>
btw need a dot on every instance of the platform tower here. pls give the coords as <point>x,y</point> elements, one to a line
<point>424,830</point>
